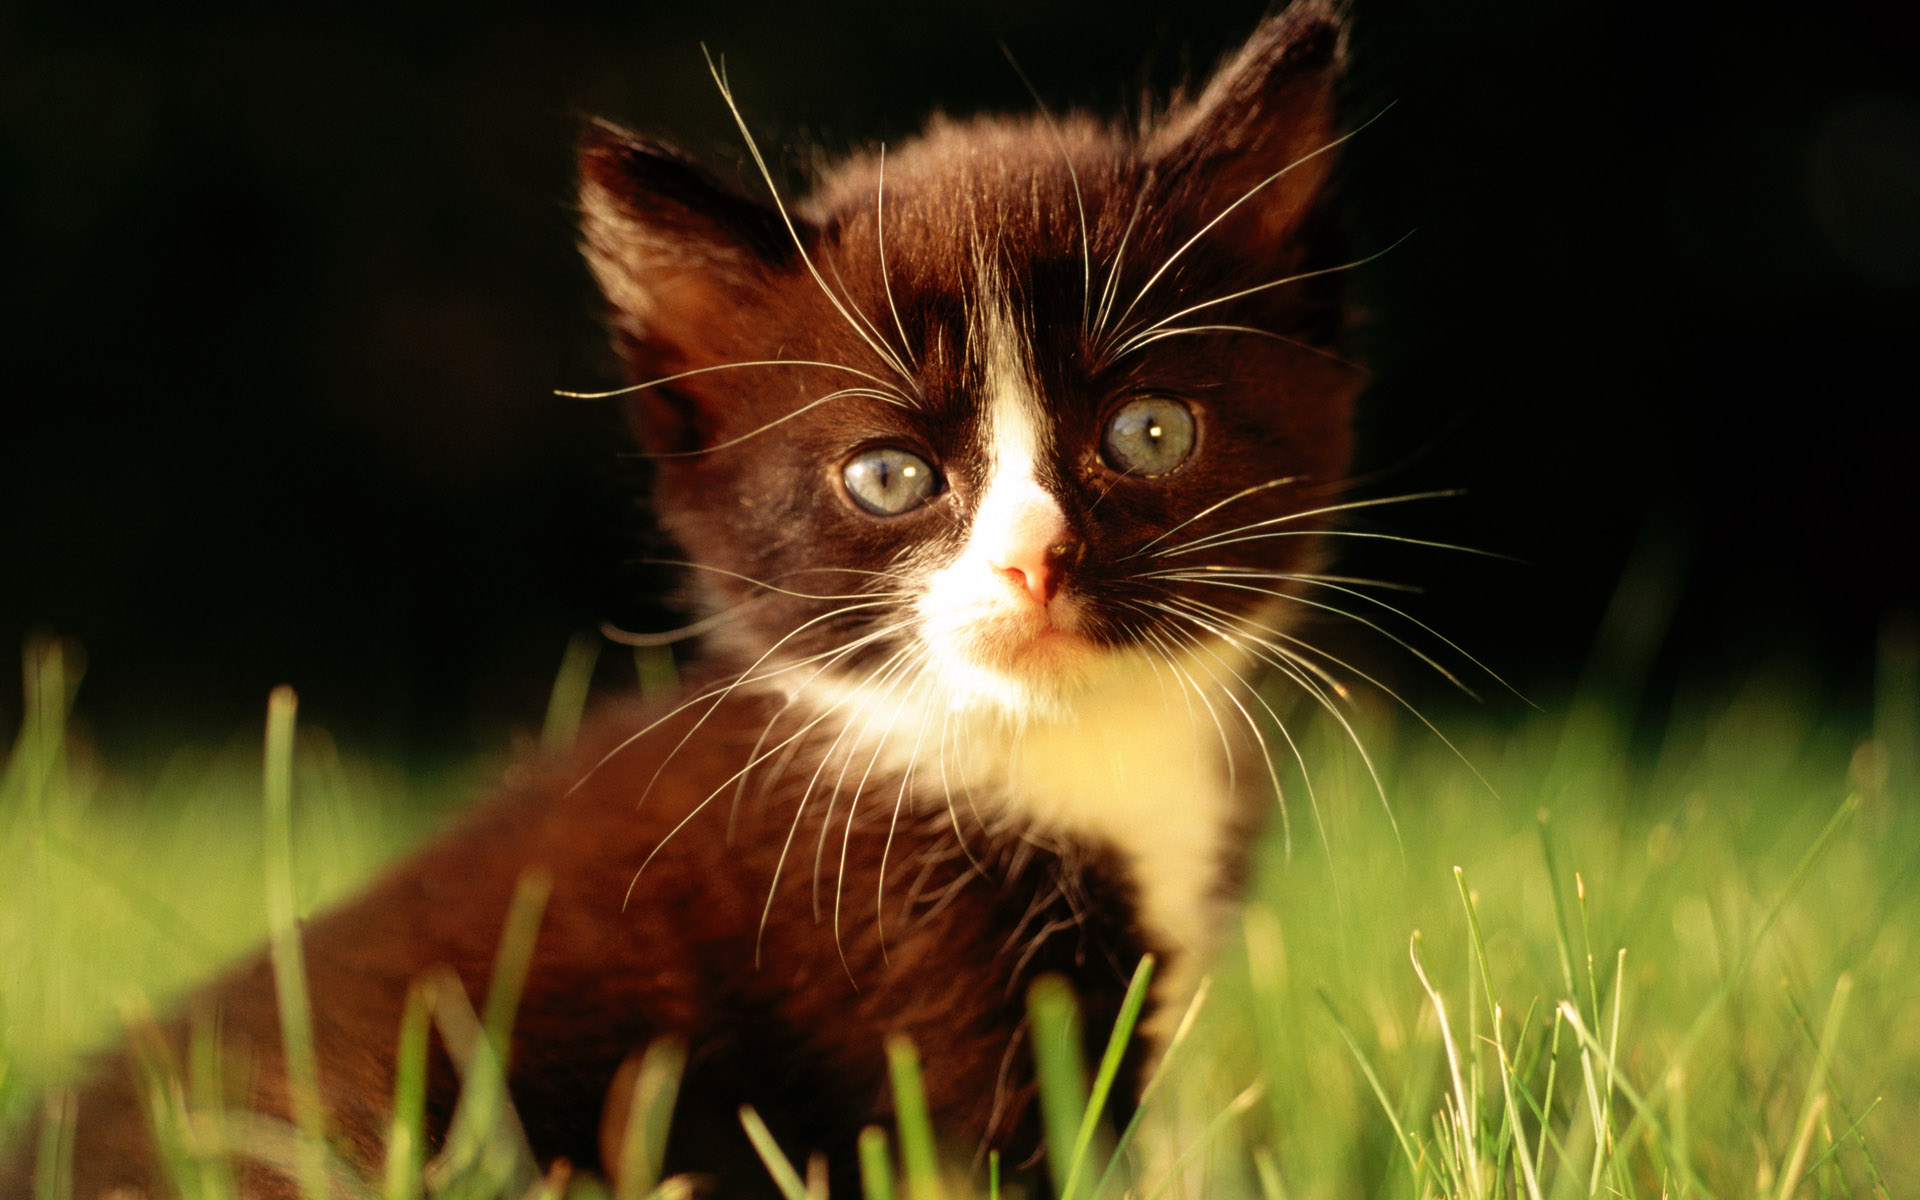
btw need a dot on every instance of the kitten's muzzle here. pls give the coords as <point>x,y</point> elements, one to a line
<point>1038,559</point>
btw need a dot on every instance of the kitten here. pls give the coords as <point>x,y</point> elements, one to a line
<point>998,462</point>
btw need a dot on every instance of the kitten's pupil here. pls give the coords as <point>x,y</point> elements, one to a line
<point>887,481</point>
<point>1150,435</point>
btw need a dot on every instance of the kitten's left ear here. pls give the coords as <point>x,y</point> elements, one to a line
<point>676,252</point>
<point>1260,136</point>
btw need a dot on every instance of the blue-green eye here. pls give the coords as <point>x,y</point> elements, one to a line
<point>888,481</point>
<point>1150,435</point>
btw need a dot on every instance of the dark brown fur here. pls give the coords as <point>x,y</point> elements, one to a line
<point>792,1016</point>
<point>800,1036</point>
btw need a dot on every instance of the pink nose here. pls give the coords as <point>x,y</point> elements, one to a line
<point>1036,557</point>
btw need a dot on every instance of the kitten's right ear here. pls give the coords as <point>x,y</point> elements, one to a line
<point>1258,138</point>
<point>677,254</point>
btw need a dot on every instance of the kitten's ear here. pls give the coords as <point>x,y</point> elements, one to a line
<point>677,254</point>
<point>1260,136</point>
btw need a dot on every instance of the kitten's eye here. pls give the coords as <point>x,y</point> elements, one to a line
<point>887,481</point>
<point>1148,436</point>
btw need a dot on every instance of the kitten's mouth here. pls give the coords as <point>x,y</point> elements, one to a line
<point>1036,640</point>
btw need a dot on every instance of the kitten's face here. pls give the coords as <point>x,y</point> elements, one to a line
<point>1033,404</point>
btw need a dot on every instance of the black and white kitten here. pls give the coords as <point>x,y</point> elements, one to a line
<point>998,463</point>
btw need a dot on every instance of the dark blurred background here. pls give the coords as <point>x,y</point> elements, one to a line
<point>285,293</point>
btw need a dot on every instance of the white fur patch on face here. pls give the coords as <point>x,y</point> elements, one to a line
<point>993,619</point>
<point>1002,710</point>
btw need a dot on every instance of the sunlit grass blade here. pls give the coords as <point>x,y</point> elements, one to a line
<point>567,701</point>
<point>643,1143</point>
<point>289,963</point>
<point>513,957</point>
<point>778,1165</point>
<point>485,1145</point>
<point>1401,1134</point>
<point>1233,1111</point>
<point>919,1153</point>
<point>54,1152</point>
<point>406,1130</point>
<point>1117,1041</point>
<point>876,1164</point>
<point>1162,1070</point>
<point>1816,1096</point>
<point>1054,1018</point>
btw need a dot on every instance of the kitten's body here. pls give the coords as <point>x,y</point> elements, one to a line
<point>998,466</point>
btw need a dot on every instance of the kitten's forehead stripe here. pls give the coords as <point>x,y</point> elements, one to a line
<point>1016,428</point>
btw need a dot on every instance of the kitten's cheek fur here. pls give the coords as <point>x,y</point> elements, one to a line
<point>995,645</point>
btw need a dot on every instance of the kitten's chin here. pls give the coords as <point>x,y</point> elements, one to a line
<point>1026,664</point>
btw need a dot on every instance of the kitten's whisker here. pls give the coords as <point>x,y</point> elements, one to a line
<point>1220,728</point>
<point>1383,631</point>
<point>753,148</point>
<point>860,701</point>
<point>1376,684</point>
<point>1273,775</point>
<point>858,315</point>
<point>1336,584</point>
<point>1143,340</point>
<point>893,825</point>
<point>1266,754</point>
<point>1358,581</point>
<point>1244,197</point>
<point>722,696</point>
<point>624,637</point>
<point>793,830</point>
<point>890,395</point>
<point>809,406</point>
<point>1215,540</point>
<point>846,841</point>
<point>1353,735</point>
<point>1112,286</point>
<point>1322,678</point>
<point>775,588</point>
<point>1108,491</point>
<point>740,788</point>
<point>946,792</point>
<point>1318,511</point>
<point>1132,336</point>
<point>1242,494</point>
<point>697,809</point>
<point>1079,205</point>
<point>880,238</point>
<point>716,693</point>
<point>1153,651</point>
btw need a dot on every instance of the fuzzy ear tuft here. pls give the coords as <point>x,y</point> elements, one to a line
<point>675,252</point>
<point>1262,132</point>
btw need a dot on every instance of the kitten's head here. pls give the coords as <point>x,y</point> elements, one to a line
<point>995,414</point>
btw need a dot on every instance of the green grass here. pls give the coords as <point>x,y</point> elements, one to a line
<point>1677,966</point>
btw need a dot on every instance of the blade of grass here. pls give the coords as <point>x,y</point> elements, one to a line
<point>1641,1104</point>
<point>1372,1077</point>
<point>283,936</point>
<point>567,701</point>
<point>485,1146</point>
<point>643,1143</point>
<point>1816,1100</point>
<point>1235,1109</point>
<point>1463,1104</point>
<point>1160,1072</point>
<point>919,1154</point>
<point>1123,1026</point>
<point>784,1176</point>
<point>406,1131</point>
<point>1062,1074</point>
<point>53,1157</point>
<point>513,958</point>
<point>876,1164</point>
